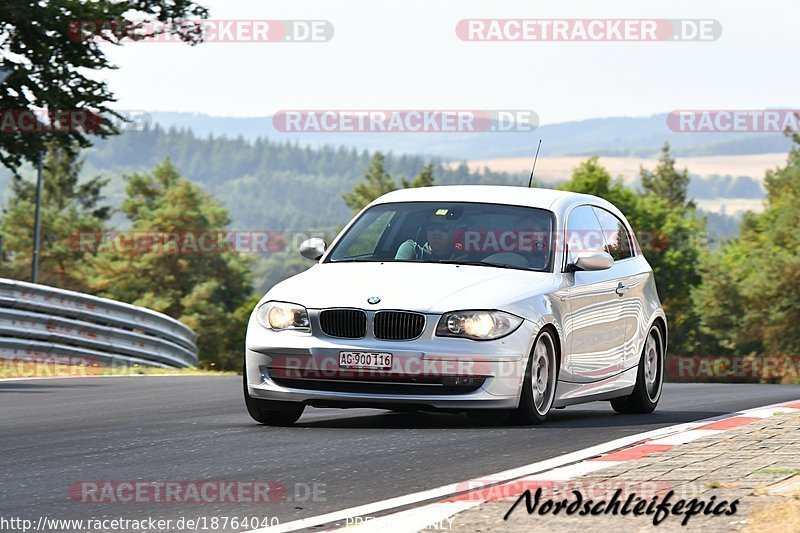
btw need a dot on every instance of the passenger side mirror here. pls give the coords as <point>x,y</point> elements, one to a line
<point>590,261</point>
<point>313,248</point>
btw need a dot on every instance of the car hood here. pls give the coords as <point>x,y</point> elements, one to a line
<point>424,287</point>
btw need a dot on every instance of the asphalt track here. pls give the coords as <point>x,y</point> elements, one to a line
<point>56,432</point>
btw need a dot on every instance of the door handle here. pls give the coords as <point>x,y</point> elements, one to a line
<point>621,289</point>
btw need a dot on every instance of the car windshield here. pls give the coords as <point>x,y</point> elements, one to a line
<point>462,233</point>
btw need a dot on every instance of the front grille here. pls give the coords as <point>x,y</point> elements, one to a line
<point>343,323</point>
<point>398,325</point>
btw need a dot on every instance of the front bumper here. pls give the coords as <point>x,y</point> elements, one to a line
<point>428,373</point>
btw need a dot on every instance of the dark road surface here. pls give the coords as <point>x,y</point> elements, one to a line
<point>55,433</point>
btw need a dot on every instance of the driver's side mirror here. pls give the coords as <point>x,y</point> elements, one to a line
<point>590,261</point>
<point>313,248</point>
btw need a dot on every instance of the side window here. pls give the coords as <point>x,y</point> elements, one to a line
<point>584,233</point>
<point>618,243</point>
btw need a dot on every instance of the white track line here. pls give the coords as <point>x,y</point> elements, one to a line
<point>685,437</point>
<point>764,412</point>
<point>433,516</point>
<point>565,473</point>
<point>437,509</point>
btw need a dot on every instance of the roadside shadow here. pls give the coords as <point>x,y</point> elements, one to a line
<point>380,419</point>
<point>585,418</point>
<point>566,418</point>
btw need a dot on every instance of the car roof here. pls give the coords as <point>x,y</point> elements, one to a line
<point>558,201</point>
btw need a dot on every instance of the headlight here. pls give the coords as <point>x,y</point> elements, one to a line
<point>281,315</point>
<point>477,325</point>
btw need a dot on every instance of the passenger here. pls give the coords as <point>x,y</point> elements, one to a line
<point>539,255</point>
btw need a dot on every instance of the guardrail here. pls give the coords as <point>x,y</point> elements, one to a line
<point>37,320</point>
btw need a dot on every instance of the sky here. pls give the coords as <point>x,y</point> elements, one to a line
<point>406,55</point>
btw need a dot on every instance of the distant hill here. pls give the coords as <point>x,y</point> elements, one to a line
<point>264,184</point>
<point>613,136</point>
<point>279,185</point>
<point>554,170</point>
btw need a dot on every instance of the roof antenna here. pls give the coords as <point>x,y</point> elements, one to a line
<point>533,168</point>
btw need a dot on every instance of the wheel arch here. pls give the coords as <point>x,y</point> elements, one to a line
<point>555,334</point>
<point>661,323</point>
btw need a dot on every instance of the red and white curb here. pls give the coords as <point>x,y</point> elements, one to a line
<point>455,498</point>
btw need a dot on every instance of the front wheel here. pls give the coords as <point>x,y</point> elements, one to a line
<point>649,378</point>
<point>271,413</point>
<point>539,387</point>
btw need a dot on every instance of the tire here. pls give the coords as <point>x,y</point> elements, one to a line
<point>539,387</point>
<point>268,412</point>
<point>649,377</point>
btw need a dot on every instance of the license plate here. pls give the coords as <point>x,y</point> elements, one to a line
<point>381,361</point>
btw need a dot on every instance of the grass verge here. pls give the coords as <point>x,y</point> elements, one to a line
<point>41,369</point>
<point>780,517</point>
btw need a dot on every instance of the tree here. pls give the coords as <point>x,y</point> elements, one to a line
<point>176,259</point>
<point>424,179</point>
<point>378,182</point>
<point>750,297</point>
<point>669,241</point>
<point>666,182</point>
<point>590,177</point>
<point>71,215</point>
<point>277,267</point>
<point>51,48</point>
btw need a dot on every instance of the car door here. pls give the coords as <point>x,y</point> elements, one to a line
<point>619,244</point>
<point>595,326</point>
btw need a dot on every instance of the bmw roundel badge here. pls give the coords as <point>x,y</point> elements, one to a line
<point>373,300</point>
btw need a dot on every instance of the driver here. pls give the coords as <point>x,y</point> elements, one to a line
<point>439,246</point>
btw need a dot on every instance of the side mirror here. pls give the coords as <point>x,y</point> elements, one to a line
<point>313,248</point>
<point>590,261</point>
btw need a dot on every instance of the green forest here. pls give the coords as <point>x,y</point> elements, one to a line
<point>261,182</point>
<point>736,297</point>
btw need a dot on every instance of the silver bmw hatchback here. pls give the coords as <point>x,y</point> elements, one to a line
<point>498,301</point>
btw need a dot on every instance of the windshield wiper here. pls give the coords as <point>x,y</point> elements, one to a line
<point>443,262</point>
<point>475,263</point>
